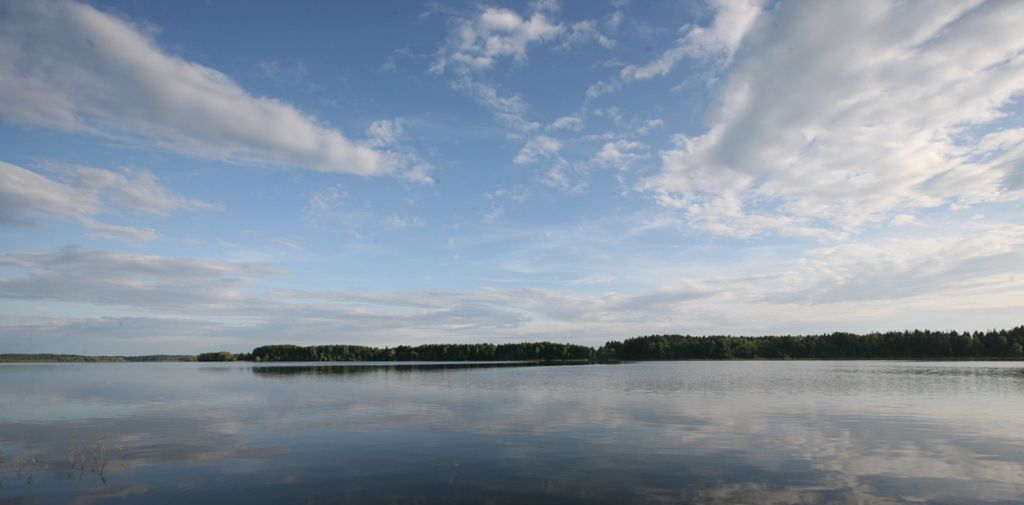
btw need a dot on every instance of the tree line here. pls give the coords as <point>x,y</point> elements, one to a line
<point>78,358</point>
<point>916,344</point>
<point>525,351</point>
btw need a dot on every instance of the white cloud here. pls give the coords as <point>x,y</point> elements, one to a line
<point>622,154</point>
<point>538,148</point>
<point>139,191</point>
<point>974,264</point>
<point>495,33</point>
<point>719,41</point>
<point>85,193</point>
<point>498,199</point>
<point>496,212</point>
<point>950,280</point>
<point>395,221</point>
<point>649,125</point>
<point>733,19</point>
<point>510,110</point>
<point>384,133</point>
<point>613,21</point>
<point>564,176</point>
<point>332,206</point>
<point>902,219</point>
<point>68,66</point>
<point>328,199</point>
<point>478,42</point>
<point>582,32</point>
<point>126,279</point>
<point>602,88</point>
<point>572,122</point>
<point>571,177</point>
<point>840,116</point>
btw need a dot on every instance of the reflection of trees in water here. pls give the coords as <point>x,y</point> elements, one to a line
<point>651,433</point>
<point>345,370</point>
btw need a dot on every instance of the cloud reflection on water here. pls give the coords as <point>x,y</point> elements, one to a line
<point>707,432</point>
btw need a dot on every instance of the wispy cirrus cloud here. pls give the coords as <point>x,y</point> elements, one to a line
<point>386,134</point>
<point>81,193</point>
<point>71,67</point>
<point>99,277</point>
<point>492,34</point>
<point>838,117</point>
<point>560,173</point>
<point>717,42</point>
<point>863,285</point>
<point>732,20</point>
<point>583,32</point>
<point>510,110</point>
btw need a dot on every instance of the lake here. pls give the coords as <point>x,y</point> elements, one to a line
<point>657,432</point>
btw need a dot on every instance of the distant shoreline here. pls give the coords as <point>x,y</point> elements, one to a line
<point>992,345</point>
<point>80,358</point>
<point>75,358</point>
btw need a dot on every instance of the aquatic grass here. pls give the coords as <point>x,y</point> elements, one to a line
<point>82,459</point>
<point>91,458</point>
<point>99,458</point>
<point>27,468</point>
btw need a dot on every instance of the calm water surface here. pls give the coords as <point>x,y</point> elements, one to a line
<point>677,432</point>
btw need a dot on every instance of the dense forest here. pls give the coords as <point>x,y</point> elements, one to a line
<point>526,351</point>
<point>916,344</point>
<point>890,345</point>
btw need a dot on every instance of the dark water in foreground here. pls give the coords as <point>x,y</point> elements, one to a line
<point>679,432</point>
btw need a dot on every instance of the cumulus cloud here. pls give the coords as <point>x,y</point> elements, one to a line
<point>68,66</point>
<point>538,148</point>
<point>602,88</point>
<point>583,32</point>
<point>495,33</point>
<point>560,172</point>
<point>840,116</point>
<point>478,42</point>
<point>386,135</point>
<point>622,154</point>
<point>572,122</point>
<point>86,192</point>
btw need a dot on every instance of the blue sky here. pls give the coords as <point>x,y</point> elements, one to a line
<point>188,176</point>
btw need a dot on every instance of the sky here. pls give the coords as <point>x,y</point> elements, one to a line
<point>181,177</point>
